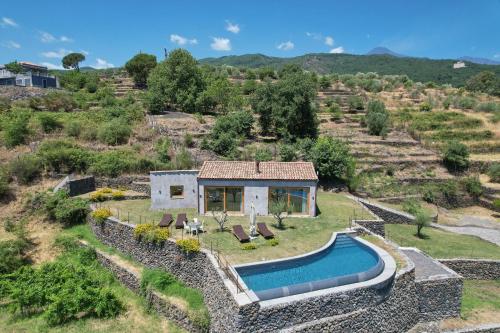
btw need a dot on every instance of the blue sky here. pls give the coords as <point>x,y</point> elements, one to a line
<point>110,32</point>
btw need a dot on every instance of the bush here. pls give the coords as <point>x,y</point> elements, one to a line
<point>118,195</point>
<point>64,156</point>
<point>456,156</point>
<point>412,207</point>
<point>355,103</point>
<point>248,246</point>
<point>26,168</point>
<point>151,233</point>
<point>4,184</point>
<point>189,245</point>
<point>488,107</point>
<point>473,186</point>
<point>188,140</point>
<point>101,214</point>
<point>59,101</point>
<point>15,130</point>
<point>63,290</point>
<point>11,256</point>
<point>332,158</point>
<point>113,163</point>
<point>287,153</point>
<point>114,132</point>
<point>377,118</point>
<point>48,122</point>
<point>263,154</point>
<point>71,211</point>
<point>273,242</point>
<point>429,195</point>
<point>494,173</point>
<point>162,148</point>
<point>73,128</point>
<point>425,107</point>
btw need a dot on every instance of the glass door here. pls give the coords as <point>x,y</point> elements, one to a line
<point>214,197</point>
<point>234,199</point>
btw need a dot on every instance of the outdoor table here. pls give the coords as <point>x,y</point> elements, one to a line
<point>194,226</point>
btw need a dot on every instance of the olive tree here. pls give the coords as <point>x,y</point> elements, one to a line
<point>73,61</point>
<point>139,68</point>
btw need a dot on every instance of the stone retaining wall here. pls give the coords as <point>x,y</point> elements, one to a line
<point>387,214</point>
<point>493,328</point>
<point>137,183</point>
<point>157,301</point>
<point>439,298</point>
<point>474,269</point>
<point>375,226</point>
<point>195,270</point>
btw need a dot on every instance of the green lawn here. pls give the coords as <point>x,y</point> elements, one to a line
<point>300,235</point>
<point>442,244</point>
<point>480,296</point>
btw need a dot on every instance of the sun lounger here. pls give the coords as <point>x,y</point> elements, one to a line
<point>166,221</point>
<point>239,233</point>
<point>264,231</point>
<point>179,223</point>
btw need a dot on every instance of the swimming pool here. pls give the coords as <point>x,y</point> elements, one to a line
<point>343,261</point>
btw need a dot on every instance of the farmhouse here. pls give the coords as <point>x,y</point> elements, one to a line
<point>234,186</point>
<point>32,76</point>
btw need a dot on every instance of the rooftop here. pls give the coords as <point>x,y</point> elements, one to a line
<point>258,170</point>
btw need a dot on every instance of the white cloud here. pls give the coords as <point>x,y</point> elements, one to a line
<point>66,39</point>
<point>339,49</point>
<point>46,37</point>
<point>286,46</point>
<point>11,45</point>
<point>102,64</point>
<point>234,28</point>
<point>329,41</point>
<point>314,35</point>
<point>179,40</point>
<point>50,65</point>
<point>221,44</point>
<point>85,53</point>
<point>8,22</point>
<point>56,54</point>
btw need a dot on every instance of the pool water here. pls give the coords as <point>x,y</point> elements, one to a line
<point>346,256</point>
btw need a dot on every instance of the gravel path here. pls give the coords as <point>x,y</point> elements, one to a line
<point>490,235</point>
<point>425,266</point>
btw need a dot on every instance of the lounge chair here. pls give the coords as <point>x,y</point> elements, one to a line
<point>264,231</point>
<point>239,233</point>
<point>166,221</point>
<point>181,218</point>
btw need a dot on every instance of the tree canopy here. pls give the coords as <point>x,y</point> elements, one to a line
<point>14,67</point>
<point>73,60</point>
<point>139,67</point>
<point>332,158</point>
<point>486,82</point>
<point>176,81</point>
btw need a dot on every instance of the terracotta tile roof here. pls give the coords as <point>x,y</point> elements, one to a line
<point>248,170</point>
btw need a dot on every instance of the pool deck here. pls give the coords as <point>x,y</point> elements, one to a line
<point>425,266</point>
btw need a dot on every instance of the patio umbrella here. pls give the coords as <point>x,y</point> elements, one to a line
<point>253,222</point>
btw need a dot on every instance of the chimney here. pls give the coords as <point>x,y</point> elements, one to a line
<point>257,165</point>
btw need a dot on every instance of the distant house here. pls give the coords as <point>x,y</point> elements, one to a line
<point>459,64</point>
<point>32,76</point>
<point>234,185</point>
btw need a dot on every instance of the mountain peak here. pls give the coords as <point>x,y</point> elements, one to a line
<point>380,50</point>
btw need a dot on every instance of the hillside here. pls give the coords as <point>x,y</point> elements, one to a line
<point>418,69</point>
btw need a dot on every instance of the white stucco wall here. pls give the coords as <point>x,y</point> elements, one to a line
<point>160,189</point>
<point>257,191</point>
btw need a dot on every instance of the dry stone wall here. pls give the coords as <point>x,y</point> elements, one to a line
<point>474,269</point>
<point>439,298</point>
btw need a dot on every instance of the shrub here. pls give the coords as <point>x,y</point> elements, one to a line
<point>377,118</point>
<point>488,107</point>
<point>183,160</point>
<point>332,158</point>
<point>118,195</point>
<point>355,103</point>
<point>263,154</point>
<point>496,203</point>
<point>456,156</point>
<point>98,196</point>
<point>114,132</point>
<point>59,101</point>
<point>113,163</point>
<point>26,168</point>
<point>15,130</point>
<point>189,245</point>
<point>73,128</point>
<point>64,156</point>
<point>71,211</point>
<point>48,122</point>
<point>224,144</point>
<point>248,246</point>
<point>464,102</point>
<point>151,233</point>
<point>287,153</point>
<point>12,256</point>
<point>188,140</point>
<point>101,214</point>
<point>162,148</point>
<point>63,290</point>
<point>412,207</point>
<point>273,242</point>
<point>473,186</point>
<point>425,107</point>
<point>4,184</point>
<point>494,173</point>
<point>429,195</point>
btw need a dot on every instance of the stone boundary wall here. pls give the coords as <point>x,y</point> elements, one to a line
<point>375,226</point>
<point>493,328</point>
<point>137,183</point>
<point>76,186</point>
<point>439,298</point>
<point>388,215</point>
<point>474,269</point>
<point>156,300</point>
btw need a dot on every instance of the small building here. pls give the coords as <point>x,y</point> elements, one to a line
<point>234,185</point>
<point>459,64</point>
<point>32,76</point>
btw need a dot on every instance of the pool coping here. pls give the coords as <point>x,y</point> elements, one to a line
<point>382,279</point>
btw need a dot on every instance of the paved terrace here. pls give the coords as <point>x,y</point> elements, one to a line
<point>425,266</point>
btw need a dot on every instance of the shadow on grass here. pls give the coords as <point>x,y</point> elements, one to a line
<point>283,226</point>
<point>422,236</point>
